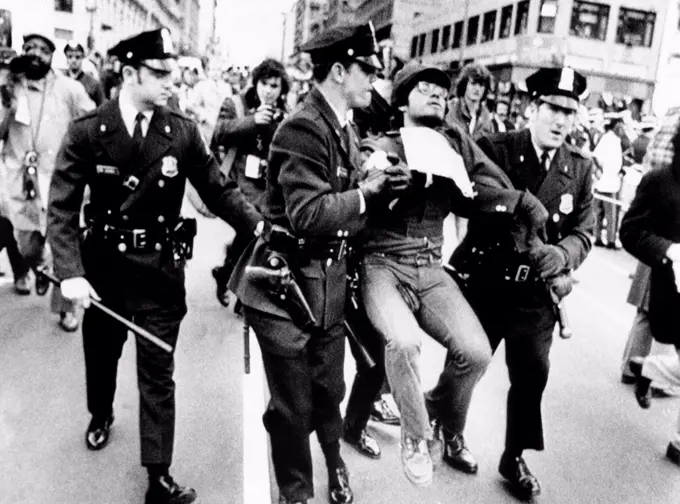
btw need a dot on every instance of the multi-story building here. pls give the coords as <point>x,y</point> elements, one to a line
<point>97,24</point>
<point>616,43</point>
<point>342,12</point>
<point>310,19</point>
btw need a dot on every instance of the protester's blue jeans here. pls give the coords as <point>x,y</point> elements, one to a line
<point>409,298</point>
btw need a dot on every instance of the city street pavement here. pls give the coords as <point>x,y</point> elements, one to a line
<point>43,415</point>
<point>600,446</point>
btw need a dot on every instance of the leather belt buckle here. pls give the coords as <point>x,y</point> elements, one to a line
<point>139,238</point>
<point>522,274</point>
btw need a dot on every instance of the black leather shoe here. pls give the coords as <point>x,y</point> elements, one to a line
<point>164,490</point>
<point>283,500</point>
<point>339,491</point>
<point>221,291</point>
<point>673,453</point>
<point>516,471</point>
<point>457,454</point>
<point>42,284</point>
<point>364,443</point>
<point>643,392</point>
<point>381,412</point>
<point>98,432</point>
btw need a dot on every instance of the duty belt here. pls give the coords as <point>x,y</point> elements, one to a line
<point>133,239</point>
<point>324,249</point>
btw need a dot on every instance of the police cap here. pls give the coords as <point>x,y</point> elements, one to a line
<point>413,73</point>
<point>561,87</point>
<point>152,49</point>
<point>345,43</point>
<point>72,45</point>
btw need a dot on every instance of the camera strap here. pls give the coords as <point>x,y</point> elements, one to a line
<point>36,131</point>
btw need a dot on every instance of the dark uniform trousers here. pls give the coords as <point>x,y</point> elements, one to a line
<point>103,342</point>
<point>306,390</point>
<point>369,382</point>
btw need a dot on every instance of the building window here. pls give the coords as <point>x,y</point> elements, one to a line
<point>446,37</point>
<point>522,20</point>
<point>489,26</point>
<point>457,35</point>
<point>546,16</point>
<point>435,41</point>
<point>589,20</point>
<point>472,29</point>
<point>63,5</point>
<point>506,21</point>
<point>414,46</point>
<point>421,44</point>
<point>635,28</point>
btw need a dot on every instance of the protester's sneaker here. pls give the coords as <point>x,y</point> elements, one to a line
<point>416,460</point>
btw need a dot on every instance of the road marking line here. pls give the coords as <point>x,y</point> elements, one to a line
<point>256,479</point>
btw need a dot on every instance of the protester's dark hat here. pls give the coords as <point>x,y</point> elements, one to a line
<point>413,73</point>
<point>72,45</point>
<point>345,43</point>
<point>41,36</point>
<point>558,86</point>
<point>153,49</point>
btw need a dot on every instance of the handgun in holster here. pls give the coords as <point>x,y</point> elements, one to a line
<point>280,284</point>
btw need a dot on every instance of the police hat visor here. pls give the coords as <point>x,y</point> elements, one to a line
<point>166,65</point>
<point>372,61</point>
<point>562,101</point>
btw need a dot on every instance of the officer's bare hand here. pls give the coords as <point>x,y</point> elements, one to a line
<point>549,260</point>
<point>374,183</point>
<point>78,290</point>
<point>264,114</point>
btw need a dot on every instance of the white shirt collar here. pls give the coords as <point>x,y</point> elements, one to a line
<point>539,151</point>
<point>342,120</point>
<point>129,113</point>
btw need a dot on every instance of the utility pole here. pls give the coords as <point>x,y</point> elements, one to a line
<point>463,34</point>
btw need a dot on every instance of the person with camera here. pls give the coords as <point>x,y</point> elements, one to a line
<point>317,202</point>
<point>37,106</point>
<point>244,130</point>
<point>136,156</point>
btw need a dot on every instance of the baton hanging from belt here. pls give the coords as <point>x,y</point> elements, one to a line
<point>127,323</point>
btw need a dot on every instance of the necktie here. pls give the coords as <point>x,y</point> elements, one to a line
<point>545,161</point>
<point>137,135</point>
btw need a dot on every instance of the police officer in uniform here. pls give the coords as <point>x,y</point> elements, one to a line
<point>510,292</point>
<point>136,156</point>
<point>315,202</point>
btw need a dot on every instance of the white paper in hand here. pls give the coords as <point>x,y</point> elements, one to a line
<point>427,151</point>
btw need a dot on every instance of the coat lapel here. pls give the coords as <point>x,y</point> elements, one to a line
<point>114,136</point>
<point>524,166</point>
<point>331,119</point>
<point>157,141</point>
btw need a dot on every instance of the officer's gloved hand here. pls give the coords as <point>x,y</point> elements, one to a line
<point>532,210</point>
<point>560,286</point>
<point>374,183</point>
<point>78,290</point>
<point>549,260</point>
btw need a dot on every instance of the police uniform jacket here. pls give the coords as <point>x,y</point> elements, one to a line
<point>420,212</point>
<point>565,191</point>
<point>649,227</point>
<point>311,191</point>
<point>98,152</point>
